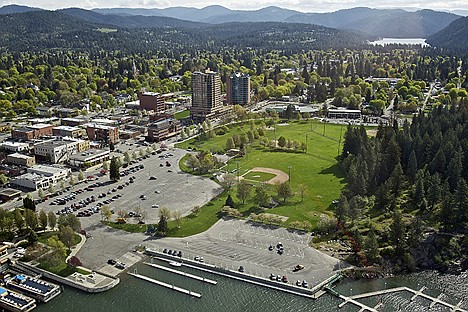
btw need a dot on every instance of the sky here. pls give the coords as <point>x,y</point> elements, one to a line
<point>298,5</point>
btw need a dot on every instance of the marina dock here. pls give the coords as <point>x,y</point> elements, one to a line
<point>179,289</point>
<point>434,301</point>
<point>195,277</point>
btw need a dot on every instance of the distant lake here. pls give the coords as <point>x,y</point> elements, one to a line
<point>385,41</point>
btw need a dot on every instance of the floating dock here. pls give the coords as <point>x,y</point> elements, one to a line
<point>13,301</point>
<point>434,301</point>
<point>195,277</point>
<point>179,289</point>
<point>33,287</point>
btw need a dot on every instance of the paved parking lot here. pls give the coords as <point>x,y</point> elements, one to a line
<point>232,243</point>
<point>174,190</point>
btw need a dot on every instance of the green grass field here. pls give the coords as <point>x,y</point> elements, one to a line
<point>317,169</point>
<point>182,114</point>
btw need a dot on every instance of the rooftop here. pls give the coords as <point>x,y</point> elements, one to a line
<point>67,128</point>
<point>89,154</point>
<point>18,155</point>
<point>46,169</point>
<point>40,126</point>
<point>98,126</point>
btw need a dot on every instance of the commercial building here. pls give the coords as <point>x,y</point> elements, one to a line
<point>73,122</point>
<point>34,287</point>
<point>151,101</point>
<point>7,194</point>
<point>206,95</point>
<point>40,176</point>
<point>32,132</point>
<point>163,129</point>
<point>59,151</point>
<point>102,133</point>
<point>21,160</point>
<point>344,113</point>
<point>67,131</point>
<point>238,89</point>
<point>89,158</point>
<point>14,146</point>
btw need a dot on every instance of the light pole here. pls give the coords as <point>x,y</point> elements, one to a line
<point>237,170</point>
<point>307,140</point>
<point>289,176</point>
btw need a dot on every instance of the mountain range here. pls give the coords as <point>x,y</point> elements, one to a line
<point>390,23</point>
<point>394,23</point>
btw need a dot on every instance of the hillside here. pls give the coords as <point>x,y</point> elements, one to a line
<point>128,21</point>
<point>13,8</point>
<point>81,29</point>
<point>375,22</point>
<point>453,37</point>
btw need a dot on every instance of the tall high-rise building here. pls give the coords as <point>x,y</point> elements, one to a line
<point>238,89</point>
<point>206,95</point>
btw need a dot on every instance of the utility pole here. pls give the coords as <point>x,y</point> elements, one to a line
<point>289,176</point>
<point>307,140</point>
<point>339,142</point>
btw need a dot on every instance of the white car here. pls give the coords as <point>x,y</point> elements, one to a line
<point>154,206</point>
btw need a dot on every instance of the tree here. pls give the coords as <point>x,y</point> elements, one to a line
<point>18,219</point>
<point>71,181</point>
<point>193,162</point>
<point>81,176</point>
<point>302,191</point>
<point>371,246</point>
<point>67,236</point>
<point>52,219</point>
<point>3,179</point>
<point>62,185</point>
<point>69,220</point>
<point>166,212</point>
<point>342,209</point>
<point>60,250</point>
<point>230,202</point>
<point>127,157</point>
<point>41,193</point>
<point>284,190</point>
<point>177,215</point>
<point>43,221</point>
<point>230,143</point>
<point>397,232</point>
<point>243,190</point>
<point>29,204</point>
<point>114,172</point>
<point>282,141</point>
<point>74,262</point>
<point>51,189</point>
<point>30,218</point>
<point>106,213</point>
<point>105,165</point>
<point>261,197</point>
<point>229,180</point>
<point>162,226</point>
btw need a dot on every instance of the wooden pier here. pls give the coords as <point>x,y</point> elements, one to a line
<point>179,289</point>
<point>195,277</point>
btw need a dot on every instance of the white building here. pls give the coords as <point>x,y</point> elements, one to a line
<point>14,146</point>
<point>91,157</point>
<point>40,176</point>
<point>57,151</point>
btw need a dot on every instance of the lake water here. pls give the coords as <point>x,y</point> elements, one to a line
<point>234,296</point>
<point>385,41</point>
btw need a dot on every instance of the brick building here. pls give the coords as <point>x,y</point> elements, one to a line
<point>152,101</point>
<point>102,133</point>
<point>32,132</point>
<point>163,129</point>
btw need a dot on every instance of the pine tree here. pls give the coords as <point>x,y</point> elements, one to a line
<point>114,173</point>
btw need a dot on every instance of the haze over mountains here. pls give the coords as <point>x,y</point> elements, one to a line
<point>394,23</point>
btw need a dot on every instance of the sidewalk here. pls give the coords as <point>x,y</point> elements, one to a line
<point>76,248</point>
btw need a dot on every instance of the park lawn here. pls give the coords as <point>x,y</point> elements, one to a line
<point>182,114</point>
<point>258,176</point>
<point>128,227</point>
<point>194,224</point>
<point>317,169</point>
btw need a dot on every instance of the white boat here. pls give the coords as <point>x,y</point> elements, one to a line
<point>176,264</point>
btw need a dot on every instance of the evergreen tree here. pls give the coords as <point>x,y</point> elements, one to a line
<point>114,172</point>
<point>162,226</point>
<point>371,246</point>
